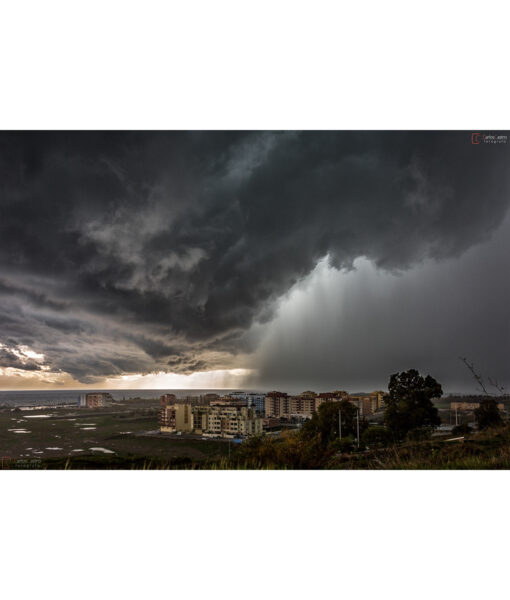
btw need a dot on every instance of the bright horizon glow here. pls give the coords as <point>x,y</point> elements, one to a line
<point>218,379</point>
<point>19,380</point>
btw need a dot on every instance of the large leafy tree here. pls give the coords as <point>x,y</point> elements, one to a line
<point>325,422</point>
<point>409,402</point>
<point>487,414</point>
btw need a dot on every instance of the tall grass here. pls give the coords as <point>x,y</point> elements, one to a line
<point>483,450</point>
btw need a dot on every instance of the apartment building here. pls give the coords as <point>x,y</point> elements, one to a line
<point>304,405</point>
<point>183,417</point>
<point>200,418</point>
<point>280,405</point>
<point>252,400</point>
<point>167,418</point>
<point>96,399</point>
<point>220,419</point>
<point>276,404</point>
<point>233,420</point>
<point>367,404</point>
<point>167,399</point>
<point>176,417</point>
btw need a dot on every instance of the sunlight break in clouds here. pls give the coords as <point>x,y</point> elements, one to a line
<point>219,379</point>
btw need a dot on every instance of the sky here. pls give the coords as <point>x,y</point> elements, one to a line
<point>288,260</point>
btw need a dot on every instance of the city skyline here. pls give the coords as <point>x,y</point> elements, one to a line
<point>258,260</point>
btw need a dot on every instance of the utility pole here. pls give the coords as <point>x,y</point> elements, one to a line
<point>456,417</point>
<point>357,425</point>
<point>340,424</point>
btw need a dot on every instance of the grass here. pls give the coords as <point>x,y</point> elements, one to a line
<point>65,429</point>
<point>482,450</point>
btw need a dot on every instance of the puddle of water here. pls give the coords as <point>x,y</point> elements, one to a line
<point>77,450</point>
<point>125,432</point>
<point>19,431</point>
<point>38,416</point>
<point>86,428</point>
<point>53,448</point>
<point>102,450</point>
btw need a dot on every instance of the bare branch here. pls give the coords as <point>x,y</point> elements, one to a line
<point>477,377</point>
<point>495,384</point>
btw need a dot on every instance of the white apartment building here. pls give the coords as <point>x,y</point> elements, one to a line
<point>218,420</point>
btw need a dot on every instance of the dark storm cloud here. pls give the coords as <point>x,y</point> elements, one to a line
<point>351,330</point>
<point>8,359</point>
<point>132,252</point>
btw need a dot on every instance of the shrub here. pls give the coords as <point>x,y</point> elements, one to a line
<point>463,429</point>
<point>344,445</point>
<point>419,434</point>
<point>487,414</point>
<point>376,437</point>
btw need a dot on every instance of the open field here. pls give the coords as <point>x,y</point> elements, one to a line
<point>105,437</point>
<point>125,436</point>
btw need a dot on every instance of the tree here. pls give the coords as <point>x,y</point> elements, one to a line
<point>487,414</point>
<point>325,424</point>
<point>409,403</point>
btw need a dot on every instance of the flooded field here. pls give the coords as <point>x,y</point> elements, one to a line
<point>116,431</point>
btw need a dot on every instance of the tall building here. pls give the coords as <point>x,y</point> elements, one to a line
<point>252,400</point>
<point>167,399</point>
<point>280,405</point>
<point>167,418</point>
<point>275,404</point>
<point>232,421</point>
<point>200,418</point>
<point>176,417</point>
<point>183,417</point>
<point>223,418</point>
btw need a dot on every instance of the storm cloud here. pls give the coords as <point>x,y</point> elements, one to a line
<point>137,252</point>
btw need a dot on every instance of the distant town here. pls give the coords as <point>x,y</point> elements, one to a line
<point>411,425</point>
<point>239,415</point>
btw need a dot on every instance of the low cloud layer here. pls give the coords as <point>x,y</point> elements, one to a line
<point>145,252</point>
